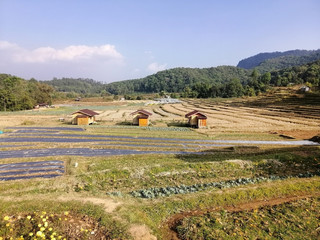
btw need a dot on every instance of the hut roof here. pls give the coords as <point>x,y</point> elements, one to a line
<point>144,112</point>
<point>196,112</point>
<point>87,112</point>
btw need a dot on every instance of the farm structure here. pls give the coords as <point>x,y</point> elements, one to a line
<point>141,118</point>
<point>83,117</point>
<point>197,119</point>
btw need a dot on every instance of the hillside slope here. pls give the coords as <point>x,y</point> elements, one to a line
<point>279,60</point>
<point>175,80</point>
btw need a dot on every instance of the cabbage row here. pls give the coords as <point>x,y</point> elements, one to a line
<point>183,189</point>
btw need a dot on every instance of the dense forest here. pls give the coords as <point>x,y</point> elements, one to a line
<point>308,74</point>
<point>287,61</point>
<point>175,80</point>
<point>279,57</point>
<point>74,87</point>
<point>19,94</point>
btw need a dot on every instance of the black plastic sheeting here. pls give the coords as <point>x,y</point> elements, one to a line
<point>28,170</point>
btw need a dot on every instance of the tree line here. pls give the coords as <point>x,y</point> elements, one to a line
<point>19,94</point>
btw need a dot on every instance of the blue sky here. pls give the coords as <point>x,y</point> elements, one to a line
<point>113,40</point>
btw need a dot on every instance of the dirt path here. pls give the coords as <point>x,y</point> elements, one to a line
<point>169,227</point>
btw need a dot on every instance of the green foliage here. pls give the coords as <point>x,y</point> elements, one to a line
<point>278,60</point>
<point>182,189</point>
<point>308,74</point>
<point>19,94</point>
<point>80,86</point>
<point>179,79</point>
<point>294,220</point>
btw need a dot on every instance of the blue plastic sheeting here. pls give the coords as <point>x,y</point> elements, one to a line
<point>50,128</point>
<point>10,146</point>
<point>84,138</point>
<point>54,162</point>
<point>78,152</point>
<point>36,131</point>
<point>28,170</point>
<point>29,177</point>
<point>12,173</point>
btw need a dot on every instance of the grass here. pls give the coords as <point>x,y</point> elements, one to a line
<point>157,212</point>
<point>294,220</point>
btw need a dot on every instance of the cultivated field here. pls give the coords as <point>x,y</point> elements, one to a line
<point>250,174</point>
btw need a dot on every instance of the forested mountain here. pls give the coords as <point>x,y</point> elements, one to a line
<point>81,86</point>
<point>279,60</point>
<point>175,80</point>
<point>287,61</point>
<point>19,94</point>
<point>308,74</point>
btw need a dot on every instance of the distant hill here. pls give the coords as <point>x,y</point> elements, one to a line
<point>81,86</point>
<point>175,80</point>
<point>279,60</point>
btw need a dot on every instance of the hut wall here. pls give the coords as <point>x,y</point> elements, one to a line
<point>135,120</point>
<point>143,122</point>
<point>202,123</point>
<point>193,121</point>
<point>83,121</point>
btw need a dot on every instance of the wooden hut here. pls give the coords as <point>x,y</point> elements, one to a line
<point>197,119</point>
<point>84,117</point>
<point>141,118</point>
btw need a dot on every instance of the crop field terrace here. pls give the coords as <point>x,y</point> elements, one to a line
<point>252,173</point>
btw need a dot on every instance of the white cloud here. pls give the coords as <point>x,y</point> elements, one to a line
<point>102,63</point>
<point>70,53</point>
<point>156,67</point>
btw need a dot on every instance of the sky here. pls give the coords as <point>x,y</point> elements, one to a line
<point>114,40</point>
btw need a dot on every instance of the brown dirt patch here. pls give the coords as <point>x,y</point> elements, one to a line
<point>109,205</point>
<point>141,232</point>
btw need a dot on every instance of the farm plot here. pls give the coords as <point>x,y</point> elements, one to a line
<point>162,177</point>
<point>28,170</point>
<point>238,118</point>
<point>269,222</point>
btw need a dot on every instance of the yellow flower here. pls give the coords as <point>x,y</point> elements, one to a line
<point>50,229</point>
<point>30,234</point>
<point>1,238</point>
<point>66,213</point>
<point>42,229</point>
<point>8,224</point>
<point>44,213</point>
<point>39,225</point>
<point>11,230</point>
<point>43,219</point>
<point>39,234</point>
<point>6,218</point>
<point>29,217</point>
<point>46,224</point>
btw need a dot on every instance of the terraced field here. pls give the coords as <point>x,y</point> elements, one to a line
<point>117,181</point>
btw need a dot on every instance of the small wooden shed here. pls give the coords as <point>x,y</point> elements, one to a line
<point>141,118</point>
<point>84,117</point>
<point>197,119</point>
